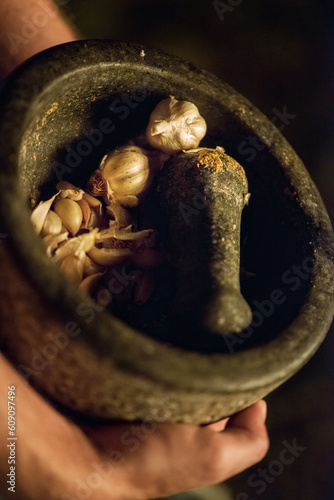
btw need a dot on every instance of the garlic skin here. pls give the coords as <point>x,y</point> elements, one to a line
<point>40,212</point>
<point>125,234</point>
<point>77,246</point>
<point>126,170</point>
<point>174,126</point>
<point>68,190</point>
<point>52,241</point>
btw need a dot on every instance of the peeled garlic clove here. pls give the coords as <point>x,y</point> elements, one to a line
<point>90,267</point>
<point>68,190</point>
<point>72,266</point>
<point>52,241</point>
<point>109,257</point>
<point>70,213</point>
<point>175,125</point>
<point>52,224</point>
<point>89,283</point>
<point>39,214</point>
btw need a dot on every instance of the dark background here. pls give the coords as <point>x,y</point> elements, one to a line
<point>278,54</point>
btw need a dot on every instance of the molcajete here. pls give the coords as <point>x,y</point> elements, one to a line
<point>60,112</point>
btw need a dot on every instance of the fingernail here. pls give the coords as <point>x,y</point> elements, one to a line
<point>263,408</point>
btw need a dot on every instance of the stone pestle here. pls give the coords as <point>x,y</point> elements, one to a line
<point>202,194</point>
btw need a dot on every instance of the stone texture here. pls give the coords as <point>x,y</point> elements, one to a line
<point>109,369</point>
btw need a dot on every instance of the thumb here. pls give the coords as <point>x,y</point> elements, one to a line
<point>247,435</point>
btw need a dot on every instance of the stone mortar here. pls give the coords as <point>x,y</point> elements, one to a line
<point>91,361</point>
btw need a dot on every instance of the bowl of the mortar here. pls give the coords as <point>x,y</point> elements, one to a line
<point>59,114</point>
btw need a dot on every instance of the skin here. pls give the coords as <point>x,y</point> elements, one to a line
<point>23,33</point>
<point>53,454</point>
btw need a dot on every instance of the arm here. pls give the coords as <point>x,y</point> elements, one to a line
<point>27,27</point>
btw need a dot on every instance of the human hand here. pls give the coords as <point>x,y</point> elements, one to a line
<point>57,459</point>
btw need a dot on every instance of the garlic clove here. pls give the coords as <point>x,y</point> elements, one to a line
<point>39,214</point>
<point>109,257</point>
<point>52,241</point>
<point>70,213</point>
<point>175,125</point>
<point>78,246</point>
<point>72,266</point>
<point>86,212</point>
<point>96,214</point>
<point>89,283</point>
<point>90,267</point>
<point>52,224</point>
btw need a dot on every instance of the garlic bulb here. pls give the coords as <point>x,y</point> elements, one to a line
<point>175,126</point>
<point>126,170</point>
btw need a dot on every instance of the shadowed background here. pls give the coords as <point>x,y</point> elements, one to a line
<point>280,55</point>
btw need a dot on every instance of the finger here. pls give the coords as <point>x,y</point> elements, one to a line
<point>218,426</point>
<point>245,439</point>
<point>251,418</point>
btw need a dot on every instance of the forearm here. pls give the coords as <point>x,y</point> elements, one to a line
<point>27,27</point>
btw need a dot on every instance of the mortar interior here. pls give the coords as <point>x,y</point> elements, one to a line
<point>275,234</point>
